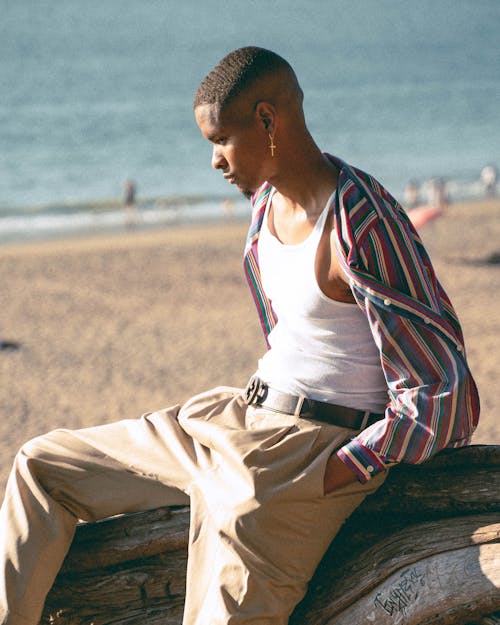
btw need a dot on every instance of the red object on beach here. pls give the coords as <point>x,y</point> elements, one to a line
<point>424,214</point>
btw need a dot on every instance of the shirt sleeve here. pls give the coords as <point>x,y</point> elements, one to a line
<point>432,397</point>
<point>361,460</point>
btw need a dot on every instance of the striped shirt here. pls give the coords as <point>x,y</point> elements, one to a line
<point>433,401</point>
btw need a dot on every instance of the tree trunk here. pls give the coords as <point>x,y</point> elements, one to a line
<point>424,549</point>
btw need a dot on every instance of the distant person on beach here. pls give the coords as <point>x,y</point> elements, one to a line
<point>129,192</point>
<point>365,368</point>
<point>438,193</point>
<point>421,214</point>
<point>410,196</point>
<point>488,178</point>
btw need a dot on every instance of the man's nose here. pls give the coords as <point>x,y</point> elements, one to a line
<point>218,160</point>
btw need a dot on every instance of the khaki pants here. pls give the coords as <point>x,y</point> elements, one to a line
<point>259,520</point>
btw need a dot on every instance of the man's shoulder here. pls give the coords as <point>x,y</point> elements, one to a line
<point>358,178</point>
<point>360,191</point>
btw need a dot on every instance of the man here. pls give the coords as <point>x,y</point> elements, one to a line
<point>365,368</point>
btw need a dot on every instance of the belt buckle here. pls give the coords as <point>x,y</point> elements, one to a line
<point>255,390</point>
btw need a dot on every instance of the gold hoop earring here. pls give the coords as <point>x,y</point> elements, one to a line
<point>272,146</point>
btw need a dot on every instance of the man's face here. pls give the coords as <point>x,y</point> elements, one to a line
<point>240,148</point>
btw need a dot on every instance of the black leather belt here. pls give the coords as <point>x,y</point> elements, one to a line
<point>259,393</point>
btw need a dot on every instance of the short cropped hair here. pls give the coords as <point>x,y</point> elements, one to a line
<point>235,73</point>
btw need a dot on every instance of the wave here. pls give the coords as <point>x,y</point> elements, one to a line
<point>73,218</point>
<point>105,215</point>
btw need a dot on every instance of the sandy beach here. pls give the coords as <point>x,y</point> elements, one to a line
<point>112,327</point>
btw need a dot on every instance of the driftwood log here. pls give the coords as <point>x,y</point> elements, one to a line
<point>424,550</point>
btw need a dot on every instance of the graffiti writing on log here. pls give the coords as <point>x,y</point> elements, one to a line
<point>402,594</point>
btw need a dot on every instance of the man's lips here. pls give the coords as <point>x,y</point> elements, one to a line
<point>230,178</point>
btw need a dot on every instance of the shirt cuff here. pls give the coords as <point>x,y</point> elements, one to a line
<point>364,462</point>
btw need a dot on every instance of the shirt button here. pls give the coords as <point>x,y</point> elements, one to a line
<point>427,320</point>
<point>387,302</point>
<point>460,348</point>
<point>370,469</point>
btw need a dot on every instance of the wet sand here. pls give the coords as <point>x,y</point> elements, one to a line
<point>112,327</point>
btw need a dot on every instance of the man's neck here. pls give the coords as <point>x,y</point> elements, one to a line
<point>305,179</point>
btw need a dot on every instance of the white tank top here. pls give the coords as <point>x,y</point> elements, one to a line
<point>320,348</point>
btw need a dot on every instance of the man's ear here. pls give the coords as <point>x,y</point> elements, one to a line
<point>266,116</point>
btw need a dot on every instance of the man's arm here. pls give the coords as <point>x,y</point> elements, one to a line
<point>433,400</point>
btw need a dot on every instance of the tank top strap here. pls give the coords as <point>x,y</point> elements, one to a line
<point>320,223</point>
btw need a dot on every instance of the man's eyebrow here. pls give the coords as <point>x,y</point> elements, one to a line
<point>215,136</point>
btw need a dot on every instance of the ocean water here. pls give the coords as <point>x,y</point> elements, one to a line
<point>94,92</point>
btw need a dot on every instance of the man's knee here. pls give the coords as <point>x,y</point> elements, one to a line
<point>40,456</point>
<point>42,447</point>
